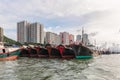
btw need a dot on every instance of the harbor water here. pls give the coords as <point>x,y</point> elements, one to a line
<point>105,67</point>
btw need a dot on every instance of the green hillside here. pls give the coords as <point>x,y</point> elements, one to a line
<point>10,41</point>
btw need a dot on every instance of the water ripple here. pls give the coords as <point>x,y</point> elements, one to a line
<point>99,68</point>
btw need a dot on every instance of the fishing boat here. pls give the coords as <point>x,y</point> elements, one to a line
<point>42,52</point>
<point>9,53</point>
<point>24,52</point>
<point>82,52</point>
<point>53,52</point>
<point>66,53</point>
<point>32,52</point>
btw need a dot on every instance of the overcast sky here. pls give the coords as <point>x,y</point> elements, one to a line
<point>96,16</point>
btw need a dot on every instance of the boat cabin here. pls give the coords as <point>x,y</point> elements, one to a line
<point>3,50</point>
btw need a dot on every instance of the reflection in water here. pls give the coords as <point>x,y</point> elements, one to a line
<point>99,68</point>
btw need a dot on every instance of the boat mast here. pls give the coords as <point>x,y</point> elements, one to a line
<point>82,34</point>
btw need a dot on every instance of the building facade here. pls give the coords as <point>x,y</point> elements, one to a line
<point>78,38</point>
<point>64,38</point>
<point>23,31</point>
<point>71,38</point>
<point>57,39</point>
<point>1,34</point>
<point>30,32</point>
<point>42,34</point>
<point>85,39</point>
<point>36,33</point>
<point>52,38</point>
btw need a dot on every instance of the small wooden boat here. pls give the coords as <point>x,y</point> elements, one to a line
<point>5,54</point>
<point>66,53</point>
<point>82,52</point>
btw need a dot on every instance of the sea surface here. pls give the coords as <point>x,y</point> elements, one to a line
<point>105,67</point>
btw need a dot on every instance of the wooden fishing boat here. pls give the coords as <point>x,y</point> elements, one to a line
<point>24,53</point>
<point>32,52</point>
<point>82,52</point>
<point>7,54</point>
<point>53,52</point>
<point>66,53</point>
<point>42,52</point>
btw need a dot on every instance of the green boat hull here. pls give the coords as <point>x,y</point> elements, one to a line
<point>14,53</point>
<point>83,57</point>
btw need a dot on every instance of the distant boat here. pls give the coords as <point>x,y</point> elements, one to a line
<point>82,52</point>
<point>9,53</point>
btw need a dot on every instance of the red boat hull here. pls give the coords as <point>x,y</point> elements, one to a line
<point>9,58</point>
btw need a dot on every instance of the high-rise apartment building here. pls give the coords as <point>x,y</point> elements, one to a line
<point>85,39</point>
<point>22,31</point>
<point>64,38</point>
<point>36,33</point>
<point>1,34</point>
<point>78,38</point>
<point>52,38</point>
<point>42,34</point>
<point>57,39</point>
<point>71,38</point>
<point>27,32</point>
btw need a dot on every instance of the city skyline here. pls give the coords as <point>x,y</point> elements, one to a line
<point>34,33</point>
<point>100,17</point>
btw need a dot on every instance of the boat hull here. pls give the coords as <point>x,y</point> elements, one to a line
<point>83,57</point>
<point>10,56</point>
